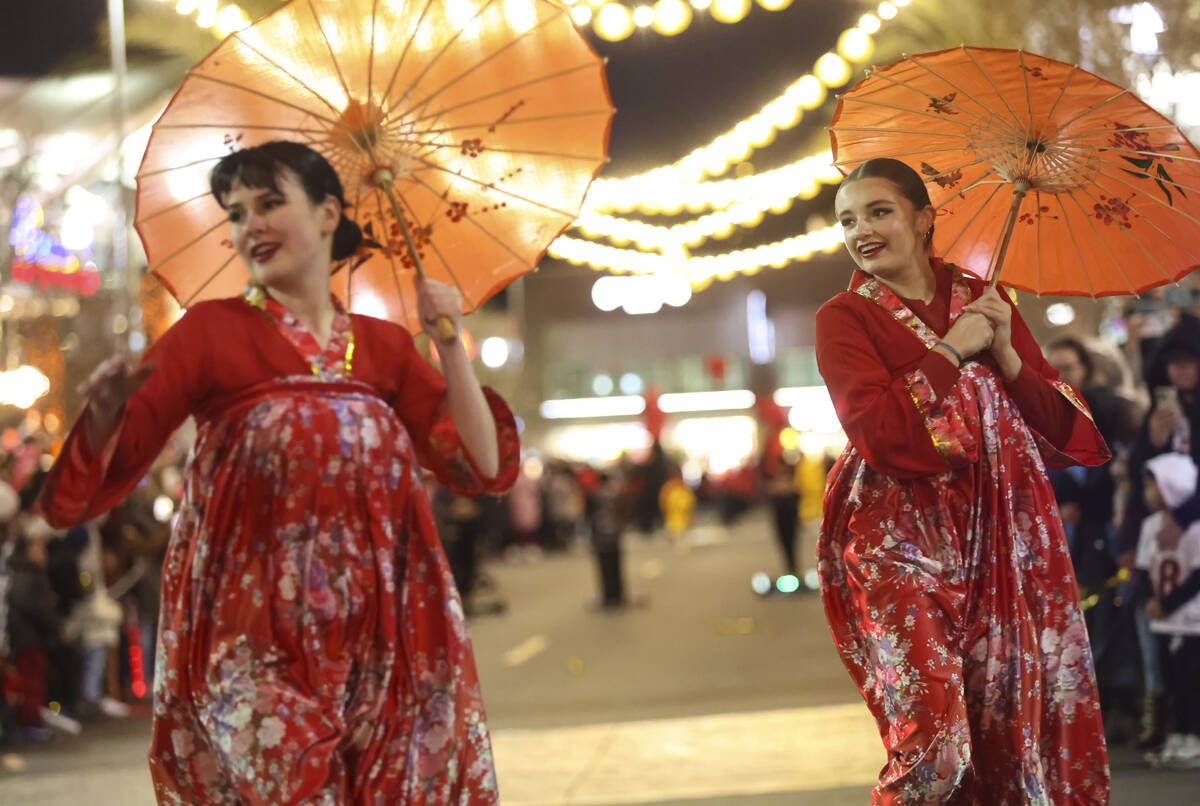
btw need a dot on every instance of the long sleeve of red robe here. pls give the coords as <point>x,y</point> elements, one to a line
<point>222,346</point>
<point>893,394</point>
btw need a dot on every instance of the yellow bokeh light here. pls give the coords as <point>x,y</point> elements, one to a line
<point>614,22</point>
<point>581,14</point>
<point>700,5</point>
<point>643,16</point>
<point>887,10</point>
<point>671,16</point>
<point>774,5</point>
<point>869,23</point>
<point>901,3</point>
<point>855,45</point>
<point>730,11</point>
<point>833,70</point>
<point>808,92</point>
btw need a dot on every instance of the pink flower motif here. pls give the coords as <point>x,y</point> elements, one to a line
<point>205,766</point>
<point>436,737</point>
<point>242,741</point>
<point>181,741</point>
<point>271,731</point>
<point>430,765</point>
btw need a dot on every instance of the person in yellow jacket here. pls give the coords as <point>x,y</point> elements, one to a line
<point>678,503</point>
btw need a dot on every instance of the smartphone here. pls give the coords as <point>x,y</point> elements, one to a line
<point>1166,397</point>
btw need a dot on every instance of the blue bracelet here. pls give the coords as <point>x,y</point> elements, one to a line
<point>956,353</point>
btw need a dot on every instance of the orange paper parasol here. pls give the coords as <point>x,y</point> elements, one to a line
<point>1091,191</point>
<point>481,122</point>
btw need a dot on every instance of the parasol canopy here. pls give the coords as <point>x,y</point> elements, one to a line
<point>1090,190</point>
<point>469,128</point>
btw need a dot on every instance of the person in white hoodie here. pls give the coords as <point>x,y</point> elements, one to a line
<point>1170,576</point>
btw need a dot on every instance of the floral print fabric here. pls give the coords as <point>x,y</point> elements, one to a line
<point>312,645</point>
<point>953,604</point>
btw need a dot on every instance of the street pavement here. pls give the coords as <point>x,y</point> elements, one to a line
<point>703,694</point>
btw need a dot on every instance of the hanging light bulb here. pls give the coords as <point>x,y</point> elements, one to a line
<point>832,70</point>
<point>855,45</point>
<point>730,11</point>
<point>671,16</point>
<point>581,14</point>
<point>614,22</point>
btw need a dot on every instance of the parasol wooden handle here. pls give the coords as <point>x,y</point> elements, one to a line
<point>1020,188</point>
<point>383,179</point>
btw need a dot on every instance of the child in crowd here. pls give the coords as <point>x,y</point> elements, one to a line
<point>1169,572</point>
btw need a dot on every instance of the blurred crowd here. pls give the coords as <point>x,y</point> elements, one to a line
<point>1133,525</point>
<point>79,608</point>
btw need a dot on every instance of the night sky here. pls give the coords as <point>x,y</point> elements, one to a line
<point>38,34</point>
<point>672,94</point>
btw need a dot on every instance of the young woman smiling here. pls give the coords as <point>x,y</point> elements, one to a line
<point>312,647</point>
<point>944,569</point>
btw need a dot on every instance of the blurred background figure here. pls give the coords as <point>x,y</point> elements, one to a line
<point>783,496</point>
<point>525,511</point>
<point>1168,572</point>
<point>1173,381</point>
<point>677,503</point>
<point>652,476</point>
<point>1086,499</point>
<point>608,512</point>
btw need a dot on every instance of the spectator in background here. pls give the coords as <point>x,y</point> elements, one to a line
<point>1169,576</point>
<point>1171,425</point>
<point>779,483</point>
<point>654,473</point>
<point>1173,376</point>
<point>678,504</point>
<point>33,628</point>
<point>607,514</point>
<point>525,510</point>
<point>1086,497</point>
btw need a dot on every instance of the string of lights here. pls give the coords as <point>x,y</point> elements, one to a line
<point>738,203</point>
<point>831,70</point>
<point>221,19</point>
<point>700,270</point>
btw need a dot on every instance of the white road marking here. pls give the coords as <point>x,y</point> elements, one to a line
<point>522,652</point>
<point>791,750</point>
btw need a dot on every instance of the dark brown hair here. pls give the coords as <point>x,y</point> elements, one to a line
<point>902,176</point>
<point>259,166</point>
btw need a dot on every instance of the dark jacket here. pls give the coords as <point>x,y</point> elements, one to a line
<point>32,607</point>
<point>1183,338</point>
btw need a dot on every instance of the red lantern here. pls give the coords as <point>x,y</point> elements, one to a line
<point>652,416</point>
<point>715,366</point>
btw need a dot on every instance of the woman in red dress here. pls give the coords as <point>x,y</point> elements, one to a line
<point>312,647</point>
<point>944,569</point>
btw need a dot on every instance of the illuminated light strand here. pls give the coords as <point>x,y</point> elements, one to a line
<point>740,203</point>
<point>831,70</point>
<point>700,270</point>
<point>222,20</point>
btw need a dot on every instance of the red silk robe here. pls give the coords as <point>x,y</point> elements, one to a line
<point>312,647</point>
<point>944,568</point>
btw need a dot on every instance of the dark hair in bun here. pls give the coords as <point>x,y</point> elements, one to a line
<point>911,186</point>
<point>258,167</point>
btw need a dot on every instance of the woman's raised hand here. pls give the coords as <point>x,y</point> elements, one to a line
<point>971,333</point>
<point>107,388</point>
<point>991,305</point>
<point>437,301</point>
<point>999,313</point>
